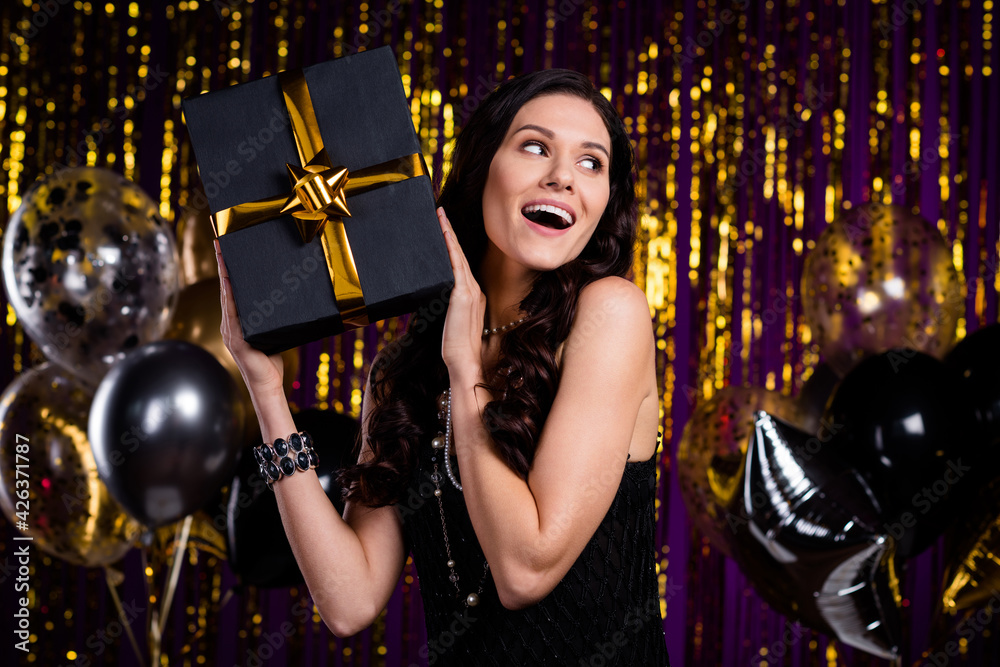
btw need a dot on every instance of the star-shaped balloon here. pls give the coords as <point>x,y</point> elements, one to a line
<point>804,531</point>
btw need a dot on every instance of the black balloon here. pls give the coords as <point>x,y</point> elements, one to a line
<point>976,361</point>
<point>903,422</point>
<point>259,552</point>
<point>815,394</point>
<point>165,428</point>
<point>805,531</point>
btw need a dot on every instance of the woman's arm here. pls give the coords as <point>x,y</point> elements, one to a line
<point>531,533</point>
<point>351,567</point>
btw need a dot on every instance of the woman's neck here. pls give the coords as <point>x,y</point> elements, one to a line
<point>505,285</point>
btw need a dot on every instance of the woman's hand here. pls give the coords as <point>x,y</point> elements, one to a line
<point>462,340</point>
<point>262,373</point>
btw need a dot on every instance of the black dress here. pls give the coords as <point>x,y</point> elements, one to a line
<point>605,611</point>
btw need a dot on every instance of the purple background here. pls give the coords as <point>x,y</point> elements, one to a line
<point>821,55</point>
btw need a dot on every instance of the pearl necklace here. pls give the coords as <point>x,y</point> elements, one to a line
<point>496,330</point>
<point>441,442</point>
<point>447,443</point>
<point>445,405</point>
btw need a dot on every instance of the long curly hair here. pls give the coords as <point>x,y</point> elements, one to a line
<point>409,375</point>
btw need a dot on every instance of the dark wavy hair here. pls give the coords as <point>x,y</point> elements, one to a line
<point>409,374</point>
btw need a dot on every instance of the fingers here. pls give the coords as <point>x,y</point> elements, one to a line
<point>455,254</point>
<point>454,249</point>
<point>229,315</point>
<point>444,221</point>
<point>223,273</point>
<point>222,289</point>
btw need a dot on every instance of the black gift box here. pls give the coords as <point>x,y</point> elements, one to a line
<point>243,138</point>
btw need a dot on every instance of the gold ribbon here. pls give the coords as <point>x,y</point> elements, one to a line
<point>318,198</point>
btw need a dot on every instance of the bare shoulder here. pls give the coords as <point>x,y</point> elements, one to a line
<point>616,309</point>
<point>616,296</point>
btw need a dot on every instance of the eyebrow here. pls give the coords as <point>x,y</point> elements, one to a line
<point>551,135</point>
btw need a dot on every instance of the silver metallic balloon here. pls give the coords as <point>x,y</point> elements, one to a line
<point>91,269</point>
<point>713,447</point>
<point>166,427</point>
<point>805,532</point>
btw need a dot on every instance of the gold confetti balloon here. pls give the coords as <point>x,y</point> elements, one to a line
<point>879,278</point>
<point>972,579</point>
<point>712,451</point>
<point>90,268</point>
<point>48,477</point>
<point>195,237</point>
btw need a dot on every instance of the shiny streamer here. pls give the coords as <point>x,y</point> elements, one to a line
<point>110,578</point>
<point>158,617</point>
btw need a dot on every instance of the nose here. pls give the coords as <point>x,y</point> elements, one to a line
<point>559,175</point>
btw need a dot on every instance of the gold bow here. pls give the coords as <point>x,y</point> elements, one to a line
<point>318,198</point>
<point>317,194</point>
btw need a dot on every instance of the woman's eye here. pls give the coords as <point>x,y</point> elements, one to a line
<point>535,148</point>
<point>591,163</point>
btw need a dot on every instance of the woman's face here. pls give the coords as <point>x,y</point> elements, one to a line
<point>548,184</point>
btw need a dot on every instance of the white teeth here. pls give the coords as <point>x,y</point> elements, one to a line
<point>562,213</point>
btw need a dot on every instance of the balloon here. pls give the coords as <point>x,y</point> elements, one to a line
<point>805,531</point>
<point>903,423</point>
<point>259,551</point>
<point>813,397</point>
<point>976,361</point>
<point>198,319</point>
<point>195,236</point>
<point>165,427</point>
<point>973,574</point>
<point>711,451</point>
<point>203,535</point>
<point>972,577</point>
<point>90,268</point>
<point>880,278</point>
<point>67,508</point>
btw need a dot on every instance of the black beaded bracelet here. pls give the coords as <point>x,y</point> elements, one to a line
<point>281,457</point>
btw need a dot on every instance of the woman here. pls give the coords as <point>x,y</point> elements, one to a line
<point>510,443</point>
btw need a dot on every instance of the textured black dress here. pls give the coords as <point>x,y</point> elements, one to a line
<point>605,611</point>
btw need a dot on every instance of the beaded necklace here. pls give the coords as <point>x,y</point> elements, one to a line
<point>442,443</point>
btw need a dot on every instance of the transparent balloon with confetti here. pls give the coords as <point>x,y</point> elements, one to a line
<point>880,277</point>
<point>56,496</point>
<point>90,268</point>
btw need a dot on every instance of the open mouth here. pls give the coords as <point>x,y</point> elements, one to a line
<point>548,216</point>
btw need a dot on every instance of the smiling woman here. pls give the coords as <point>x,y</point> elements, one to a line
<point>510,445</point>
<point>547,178</point>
